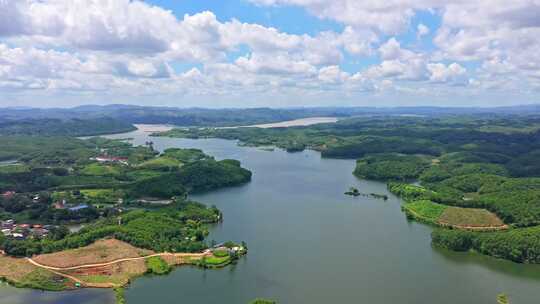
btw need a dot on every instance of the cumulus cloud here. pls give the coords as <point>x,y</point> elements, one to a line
<point>332,74</point>
<point>385,16</point>
<point>132,47</point>
<point>447,73</point>
<point>422,30</point>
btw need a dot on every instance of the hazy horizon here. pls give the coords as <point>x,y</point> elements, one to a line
<point>269,53</point>
<point>67,107</point>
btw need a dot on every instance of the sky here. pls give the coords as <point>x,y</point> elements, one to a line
<point>272,53</point>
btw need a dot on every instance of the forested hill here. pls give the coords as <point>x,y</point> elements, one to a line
<point>64,127</point>
<point>237,116</point>
<point>173,116</point>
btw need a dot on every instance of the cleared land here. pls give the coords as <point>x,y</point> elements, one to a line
<point>102,251</point>
<point>23,274</point>
<point>455,217</point>
<point>106,263</point>
<point>469,217</point>
<point>14,269</point>
<point>109,276</point>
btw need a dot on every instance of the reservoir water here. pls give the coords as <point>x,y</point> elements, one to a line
<point>310,243</point>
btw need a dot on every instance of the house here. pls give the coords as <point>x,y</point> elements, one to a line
<point>8,194</point>
<point>78,208</point>
<point>60,204</point>
<point>111,159</point>
<point>8,224</point>
<point>39,232</point>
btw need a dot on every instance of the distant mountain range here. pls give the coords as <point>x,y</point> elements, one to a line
<point>233,116</point>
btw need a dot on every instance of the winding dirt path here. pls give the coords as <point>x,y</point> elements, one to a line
<point>57,270</point>
<point>179,255</point>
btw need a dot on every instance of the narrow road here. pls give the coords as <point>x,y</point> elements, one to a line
<point>180,255</point>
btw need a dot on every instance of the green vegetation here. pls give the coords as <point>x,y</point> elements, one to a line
<point>169,115</point>
<point>518,245</point>
<point>64,127</point>
<point>65,170</point>
<point>161,163</point>
<point>63,174</point>
<point>391,166</point>
<point>119,295</point>
<point>262,301</point>
<point>185,155</point>
<point>214,261</point>
<point>179,227</point>
<point>96,169</point>
<point>502,299</point>
<point>44,280</point>
<point>480,163</point>
<point>407,191</point>
<point>157,265</point>
<point>353,191</point>
<point>425,211</point>
<point>102,196</point>
<point>220,253</point>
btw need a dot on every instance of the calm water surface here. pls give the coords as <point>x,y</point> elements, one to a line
<point>309,243</point>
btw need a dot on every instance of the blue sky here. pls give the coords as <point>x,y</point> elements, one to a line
<point>277,53</point>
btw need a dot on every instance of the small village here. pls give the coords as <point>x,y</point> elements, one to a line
<point>73,212</point>
<point>24,231</point>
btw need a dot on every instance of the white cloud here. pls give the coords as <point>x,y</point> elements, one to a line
<point>333,75</point>
<point>280,64</point>
<point>131,47</point>
<point>452,73</point>
<point>421,30</point>
<point>389,17</point>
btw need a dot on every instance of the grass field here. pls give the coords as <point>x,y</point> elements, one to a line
<point>99,252</point>
<point>157,265</point>
<point>107,196</point>
<point>143,174</point>
<point>216,261</point>
<point>100,170</point>
<point>425,210</point>
<point>45,280</point>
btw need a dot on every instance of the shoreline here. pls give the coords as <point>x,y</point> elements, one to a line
<point>80,276</point>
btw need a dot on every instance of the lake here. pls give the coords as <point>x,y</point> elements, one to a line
<point>291,123</point>
<point>310,243</point>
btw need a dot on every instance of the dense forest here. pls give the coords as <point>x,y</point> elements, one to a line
<point>167,115</point>
<point>64,127</point>
<point>482,161</point>
<point>233,116</point>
